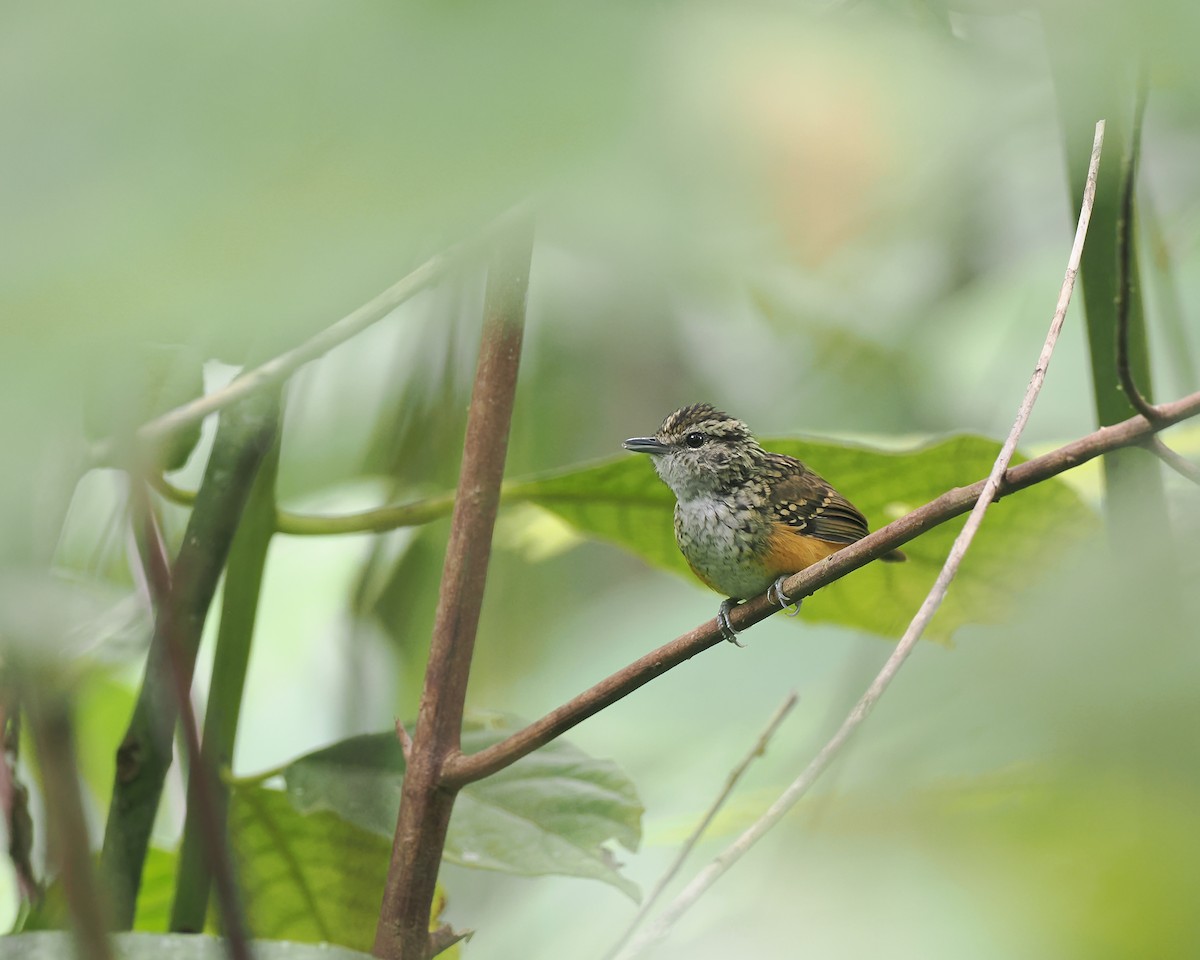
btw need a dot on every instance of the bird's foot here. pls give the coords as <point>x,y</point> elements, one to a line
<point>782,598</point>
<point>727,630</point>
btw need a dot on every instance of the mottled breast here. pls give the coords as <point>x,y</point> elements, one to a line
<point>723,540</point>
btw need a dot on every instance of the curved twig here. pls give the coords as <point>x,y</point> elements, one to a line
<point>1125,223</point>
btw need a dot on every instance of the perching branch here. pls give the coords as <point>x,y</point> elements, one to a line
<point>144,756</point>
<point>937,593</point>
<point>426,802</point>
<point>467,769</point>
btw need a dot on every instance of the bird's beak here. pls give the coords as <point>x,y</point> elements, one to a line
<point>645,445</point>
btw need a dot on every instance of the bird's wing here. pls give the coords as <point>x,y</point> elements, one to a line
<point>811,507</point>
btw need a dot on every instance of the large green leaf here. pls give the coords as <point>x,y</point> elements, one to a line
<point>151,946</point>
<point>310,878</point>
<point>623,502</point>
<point>549,813</point>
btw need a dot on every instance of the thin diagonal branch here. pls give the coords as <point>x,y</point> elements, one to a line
<point>991,489</point>
<point>201,800</point>
<point>425,802</point>
<point>735,775</point>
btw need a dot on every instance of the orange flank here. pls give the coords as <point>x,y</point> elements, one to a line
<point>790,552</point>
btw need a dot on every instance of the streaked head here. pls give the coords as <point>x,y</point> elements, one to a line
<point>700,450</point>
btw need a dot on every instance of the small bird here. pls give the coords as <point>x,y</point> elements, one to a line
<point>745,519</point>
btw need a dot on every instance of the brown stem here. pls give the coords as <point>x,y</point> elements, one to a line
<point>425,802</point>
<point>463,769</point>
<point>201,788</point>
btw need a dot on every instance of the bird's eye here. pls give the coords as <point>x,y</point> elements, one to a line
<point>694,440</point>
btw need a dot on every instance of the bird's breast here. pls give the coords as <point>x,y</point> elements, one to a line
<point>724,540</point>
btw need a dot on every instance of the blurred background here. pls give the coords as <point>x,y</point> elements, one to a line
<point>836,219</point>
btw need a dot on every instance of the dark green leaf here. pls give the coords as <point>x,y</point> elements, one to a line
<point>623,502</point>
<point>549,813</point>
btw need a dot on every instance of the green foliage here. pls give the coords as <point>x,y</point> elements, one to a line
<point>311,878</point>
<point>145,946</point>
<point>622,501</point>
<point>153,903</point>
<point>549,813</point>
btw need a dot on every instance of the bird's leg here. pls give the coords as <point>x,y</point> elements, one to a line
<point>782,598</point>
<point>727,630</point>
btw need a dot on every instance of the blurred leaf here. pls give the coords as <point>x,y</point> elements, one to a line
<point>624,502</point>
<point>102,706</point>
<point>153,906</point>
<point>53,619</point>
<point>156,892</point>
<point>549,813</point>
<point>130,383</point>
<point>146,946</point>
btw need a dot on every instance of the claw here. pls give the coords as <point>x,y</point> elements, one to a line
<point>727,630</point>
<point>783,600</point>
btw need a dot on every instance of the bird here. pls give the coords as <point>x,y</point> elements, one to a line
<point>745,518</point>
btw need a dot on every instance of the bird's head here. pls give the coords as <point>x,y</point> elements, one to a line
<point>700,451</point>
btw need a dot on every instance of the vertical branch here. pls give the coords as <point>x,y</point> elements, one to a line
<point>239,607</point>
<point>144,756</point>
<point>425,804</point>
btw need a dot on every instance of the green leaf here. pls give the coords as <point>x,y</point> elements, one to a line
<point>549,813</point>
<point>623,501</point>
<point>151,946</point>
<point>153,903</point>
<point>310,878</point>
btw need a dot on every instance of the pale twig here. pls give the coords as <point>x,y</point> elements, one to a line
<point>759,748</point>
<point>800,786</point>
